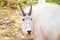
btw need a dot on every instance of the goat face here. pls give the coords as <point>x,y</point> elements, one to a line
<point>26,21</point>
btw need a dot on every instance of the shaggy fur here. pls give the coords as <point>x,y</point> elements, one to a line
<point>46,21</point>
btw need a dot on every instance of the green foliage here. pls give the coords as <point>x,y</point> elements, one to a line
<point>54,1</point>
<point>50,0</point>
<point>1,2</point>
<point>57,1</point>
<point>25,3</point>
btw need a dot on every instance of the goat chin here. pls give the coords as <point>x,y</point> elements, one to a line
<point>46,21</point>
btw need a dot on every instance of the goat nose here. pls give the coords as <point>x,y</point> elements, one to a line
<point>29,32</point>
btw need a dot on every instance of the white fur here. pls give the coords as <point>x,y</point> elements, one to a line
<point>26,24</point>
<point>46,20</point>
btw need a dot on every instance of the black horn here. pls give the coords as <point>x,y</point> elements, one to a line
<point>30,10</point>
<point>22,11</point>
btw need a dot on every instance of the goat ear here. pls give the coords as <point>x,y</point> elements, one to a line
<point>22,11</point>
<point>30,10</point>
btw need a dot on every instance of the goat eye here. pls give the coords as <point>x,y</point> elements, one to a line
<point>19,14</point>
<point>31,18</point>
<point>23,19</point>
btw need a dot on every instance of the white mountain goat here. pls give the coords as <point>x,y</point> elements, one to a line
<point>46,21</point>
<point>26,20</point>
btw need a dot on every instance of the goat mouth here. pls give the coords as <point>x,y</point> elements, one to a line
<point>27,35</point>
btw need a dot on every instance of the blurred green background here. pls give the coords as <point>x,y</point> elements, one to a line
<point>23,3</point>
<point>54,1</point>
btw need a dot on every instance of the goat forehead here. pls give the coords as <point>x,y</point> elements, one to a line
<point>27,17</point>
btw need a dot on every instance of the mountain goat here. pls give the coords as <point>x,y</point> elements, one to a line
<point>45,20</point>
<point>26,21</point>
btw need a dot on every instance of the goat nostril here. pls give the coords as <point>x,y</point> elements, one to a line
<point>29,32</point>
